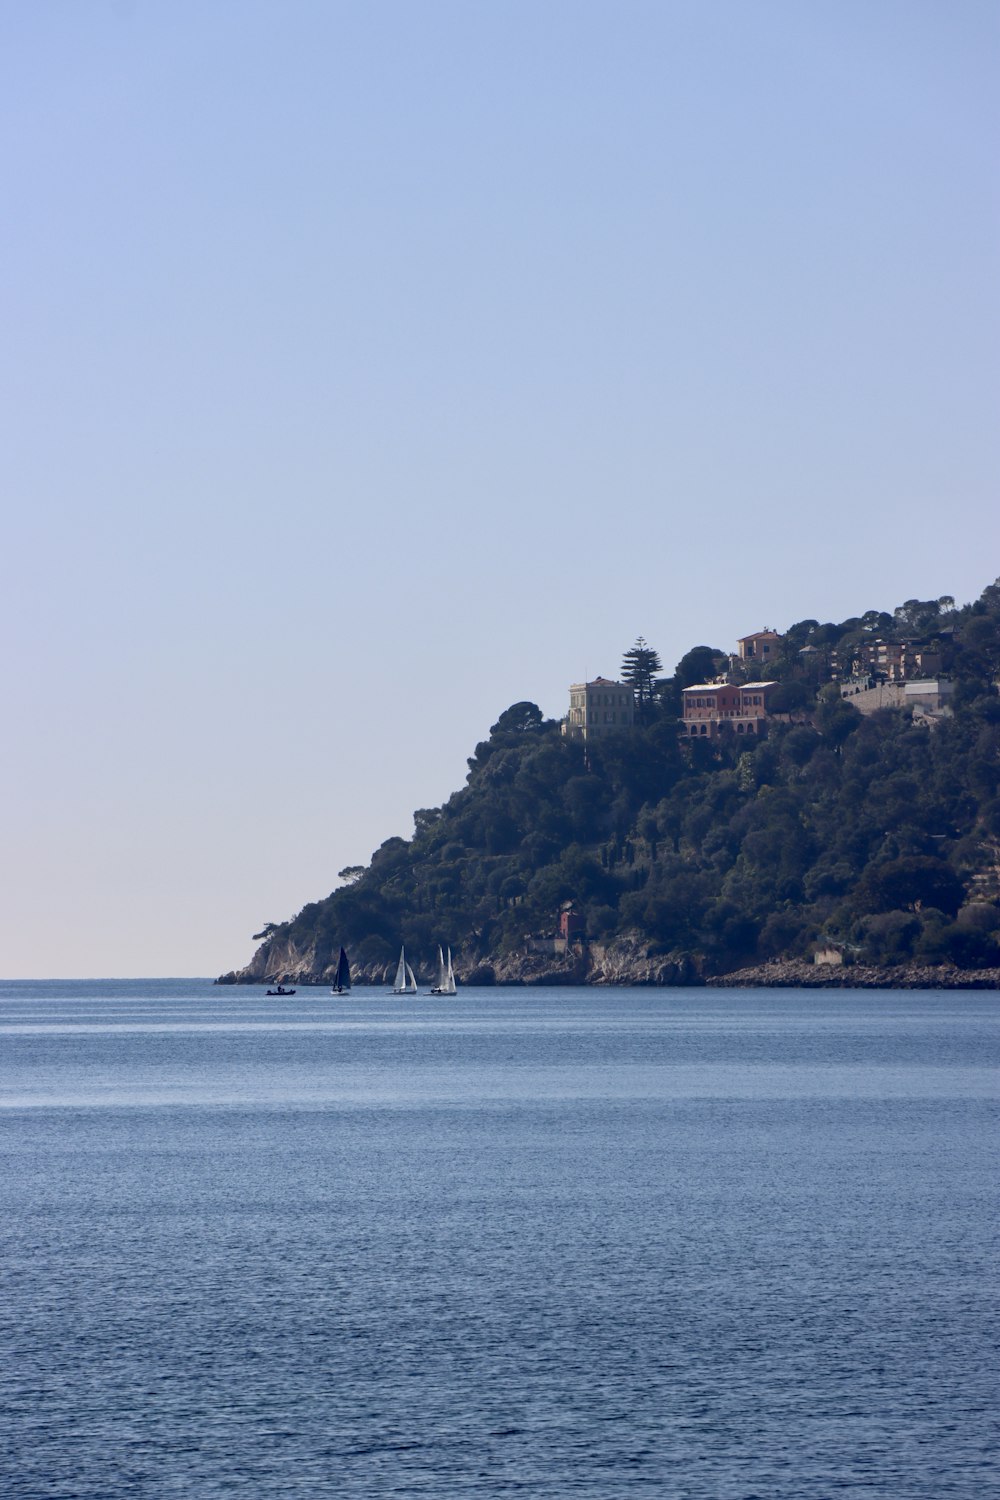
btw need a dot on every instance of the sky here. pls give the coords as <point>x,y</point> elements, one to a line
<point>368,367</point>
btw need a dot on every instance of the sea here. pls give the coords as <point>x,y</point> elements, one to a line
<point>703,1244</point>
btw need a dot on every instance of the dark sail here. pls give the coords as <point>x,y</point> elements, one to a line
<point>342,983</point>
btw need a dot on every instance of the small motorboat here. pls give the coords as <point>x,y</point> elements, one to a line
<point>281,992</point>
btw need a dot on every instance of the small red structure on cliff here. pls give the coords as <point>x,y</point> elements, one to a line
<point>571,924</point>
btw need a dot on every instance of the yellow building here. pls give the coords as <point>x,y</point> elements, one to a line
<point>599,708</point>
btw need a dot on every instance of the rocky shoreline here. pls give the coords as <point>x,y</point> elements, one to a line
<point>627,962</point>
<point>799,974</point>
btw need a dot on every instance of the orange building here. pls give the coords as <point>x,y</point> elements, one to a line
<point>760,646</point>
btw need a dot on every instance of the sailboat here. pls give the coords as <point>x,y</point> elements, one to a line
<point>342,983</point>
<point>406,980</point>
<point>446,976</point>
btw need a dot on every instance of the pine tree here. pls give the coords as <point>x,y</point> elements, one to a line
<point>639,664</point>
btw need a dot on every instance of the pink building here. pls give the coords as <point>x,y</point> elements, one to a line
<point>714,708</point>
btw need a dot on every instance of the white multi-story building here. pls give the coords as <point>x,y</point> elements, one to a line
<point>599,708</point>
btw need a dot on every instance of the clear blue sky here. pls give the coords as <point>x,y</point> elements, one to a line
<point>368,367</point>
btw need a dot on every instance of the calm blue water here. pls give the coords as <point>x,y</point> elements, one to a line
<point>540,1243</point>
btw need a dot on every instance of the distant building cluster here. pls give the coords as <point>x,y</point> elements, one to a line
<point>877,674</point>
<point>890,661</point>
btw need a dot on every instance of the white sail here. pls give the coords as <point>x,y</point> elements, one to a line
<point>450,986</point>
<point>399,984</point>
<point>442,979</point>
<point>411,981</point>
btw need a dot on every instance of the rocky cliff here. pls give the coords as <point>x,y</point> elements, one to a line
<point>279,960</point>
<point>629,961</point>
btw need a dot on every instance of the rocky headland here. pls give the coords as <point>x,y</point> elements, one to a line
<point>642,855</point>
<point>628,961</point>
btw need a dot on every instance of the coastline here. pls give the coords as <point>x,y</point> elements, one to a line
<point>799,974</point>
<point>629,964</point>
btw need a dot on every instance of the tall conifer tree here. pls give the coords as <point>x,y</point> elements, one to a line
<point>639,664</point>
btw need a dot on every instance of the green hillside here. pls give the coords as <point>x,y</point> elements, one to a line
<point>879,833</point>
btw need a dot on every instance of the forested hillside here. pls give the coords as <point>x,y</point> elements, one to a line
<point>878,834</point>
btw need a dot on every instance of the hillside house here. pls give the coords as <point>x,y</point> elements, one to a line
<point>714,708</point>
<point>898,661</point>
<point>758,647</point>
<point>599,708</point>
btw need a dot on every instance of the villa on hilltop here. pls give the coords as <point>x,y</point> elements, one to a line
<point>758,647</point>
<point>598,708</point>
<point>602,707</point>
<point>872,675</point>
<point>714,708</point>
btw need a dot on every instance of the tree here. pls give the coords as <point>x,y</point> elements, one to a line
<point>585,798</point>
<point>918,616</point>
<point>789,697</point>
<point>639,665</point>
<point>351,873</point>
<point>700,664</point>
<point>908,884</point>
<point>424,819</point>
<point>836,719</point>
<point>520,718</point>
